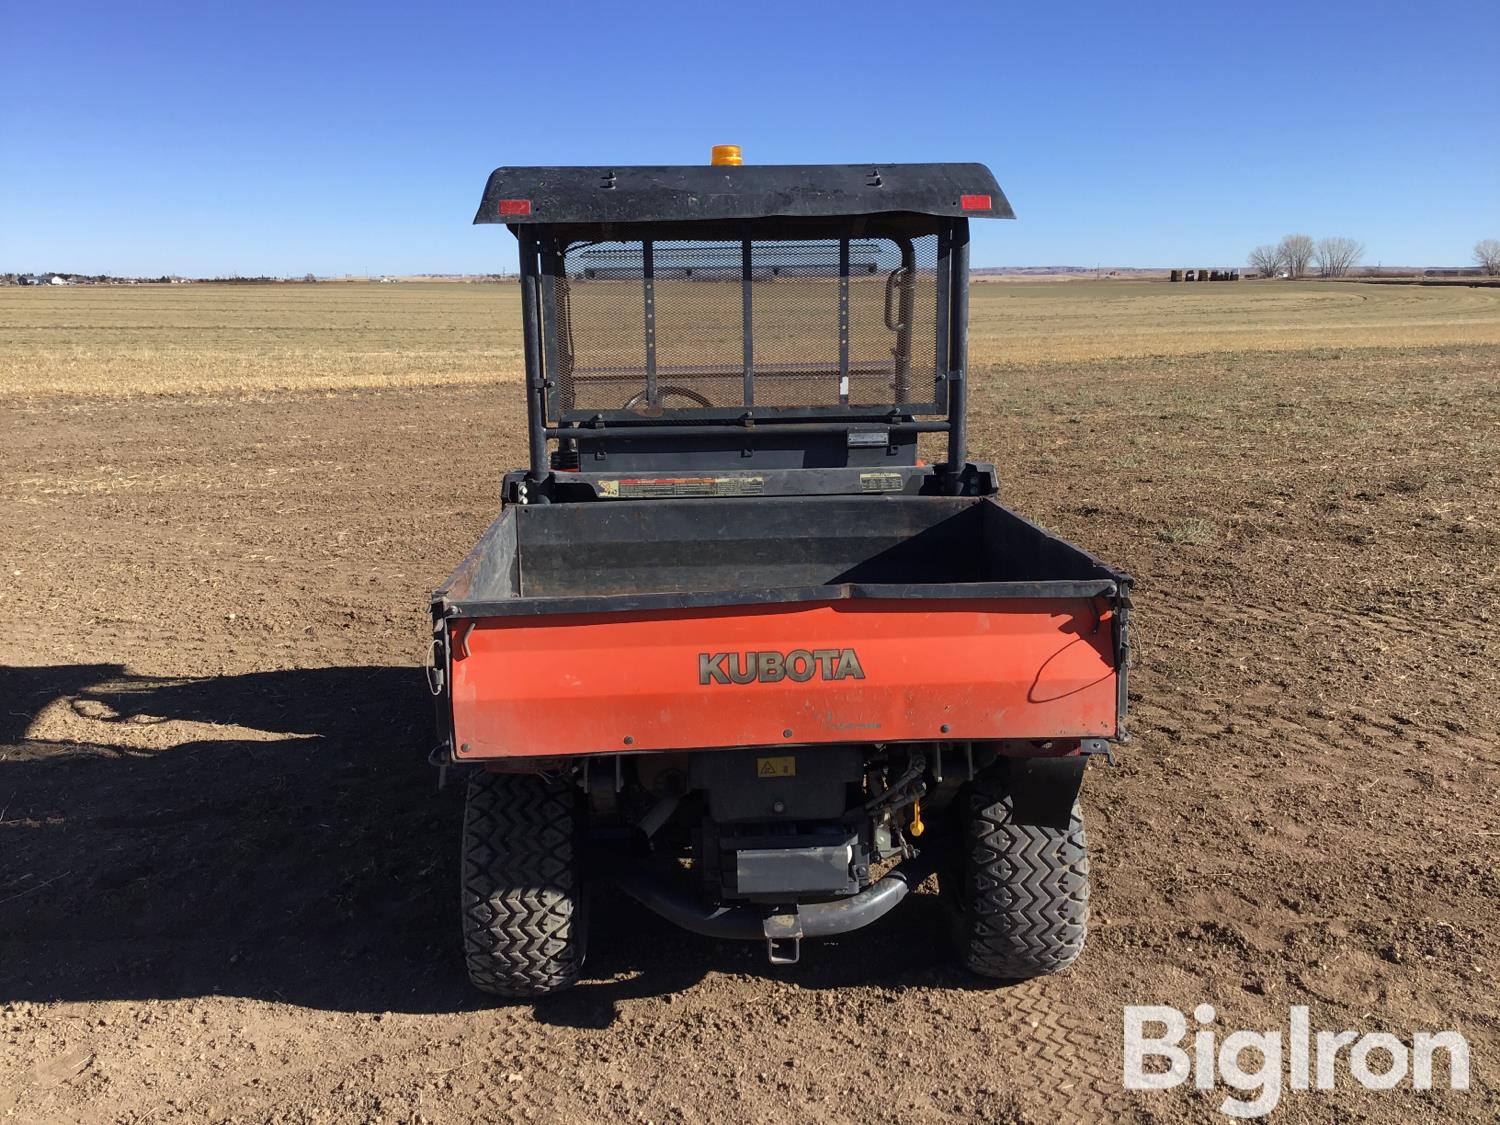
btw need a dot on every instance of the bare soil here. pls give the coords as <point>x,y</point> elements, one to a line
<point>228,883</point>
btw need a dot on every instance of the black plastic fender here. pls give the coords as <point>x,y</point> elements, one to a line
<point>1043,789</point>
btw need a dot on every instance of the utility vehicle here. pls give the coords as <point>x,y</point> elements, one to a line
<point>733,643</point>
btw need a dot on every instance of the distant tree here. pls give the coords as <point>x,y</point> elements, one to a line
<point>1335,256</point>
<point>1266,260</point>
<point>1487,256</point>
<point>309,277</point>
<point>1296,252</point>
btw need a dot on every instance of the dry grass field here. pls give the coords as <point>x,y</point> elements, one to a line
<point>197,338</point>
<point>228,883</point>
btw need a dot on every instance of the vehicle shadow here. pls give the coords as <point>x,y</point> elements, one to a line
<point>279,835</point>
<point>275,834</point>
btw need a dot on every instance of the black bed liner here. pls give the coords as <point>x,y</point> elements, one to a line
<point>665,554</point>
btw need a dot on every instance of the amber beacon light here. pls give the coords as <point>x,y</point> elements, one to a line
<point>726,154</point>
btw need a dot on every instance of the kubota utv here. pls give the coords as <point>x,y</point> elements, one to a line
<point>732,644</point>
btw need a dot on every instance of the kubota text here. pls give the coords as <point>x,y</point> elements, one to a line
<point>799,666</point>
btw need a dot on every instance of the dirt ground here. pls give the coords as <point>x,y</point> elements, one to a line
<point>228,883</point>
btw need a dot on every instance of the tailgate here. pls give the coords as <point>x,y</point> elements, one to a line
<point>851,670</point>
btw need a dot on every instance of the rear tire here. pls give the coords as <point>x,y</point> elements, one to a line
<point>523,916</point>
<point>1018,893</point>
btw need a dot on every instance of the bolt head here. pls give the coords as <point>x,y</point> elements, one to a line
<point>778,806</point>
<point>629,741</point>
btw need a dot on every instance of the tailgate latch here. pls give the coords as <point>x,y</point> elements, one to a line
<point>437,669</point>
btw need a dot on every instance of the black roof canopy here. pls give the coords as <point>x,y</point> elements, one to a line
<point>719,193</point>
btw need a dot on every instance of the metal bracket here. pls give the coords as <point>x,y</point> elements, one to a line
<point>859,438</point>
<point>1090,747</point>
<point>441,757</point>
<point>648,280</point>
<point>783,930</point>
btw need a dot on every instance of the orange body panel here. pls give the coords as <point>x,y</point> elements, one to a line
<point>978,669</point>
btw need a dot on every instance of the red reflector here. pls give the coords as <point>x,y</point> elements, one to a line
<point>974,202</point>
<point>523,206</point>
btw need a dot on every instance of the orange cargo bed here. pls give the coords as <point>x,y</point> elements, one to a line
<point>694,624</point>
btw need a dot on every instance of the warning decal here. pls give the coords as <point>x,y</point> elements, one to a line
<point>665,487</point>
<point>880,482</point>
<point>776,767</point>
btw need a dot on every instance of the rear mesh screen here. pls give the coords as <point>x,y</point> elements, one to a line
<point>831,323</point>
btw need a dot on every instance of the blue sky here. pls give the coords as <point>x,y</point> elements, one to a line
<point>210,138</point>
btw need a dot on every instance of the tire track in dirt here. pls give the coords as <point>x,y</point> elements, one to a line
<point>1064,1057</point>
<point>1354,726</point>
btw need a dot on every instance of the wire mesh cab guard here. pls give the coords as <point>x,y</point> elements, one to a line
<point>721,308</point>
<point>670,329</point>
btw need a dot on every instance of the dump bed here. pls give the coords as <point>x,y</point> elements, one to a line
<point>699,623</point>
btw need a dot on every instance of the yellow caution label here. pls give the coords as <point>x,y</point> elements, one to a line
<point>776,767</point>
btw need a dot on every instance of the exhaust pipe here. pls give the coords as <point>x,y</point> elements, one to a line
<point>777,924</point>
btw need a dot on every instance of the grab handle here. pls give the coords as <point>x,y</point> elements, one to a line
<point>900,275</point>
